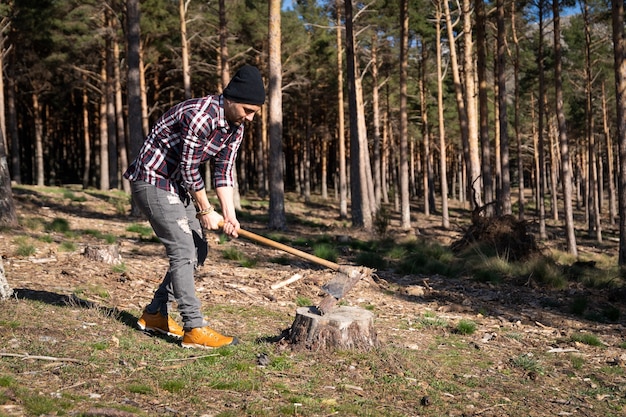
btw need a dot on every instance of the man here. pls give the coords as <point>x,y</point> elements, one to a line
<point>168,188</point>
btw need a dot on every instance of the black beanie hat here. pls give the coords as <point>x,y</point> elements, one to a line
<point>246,86</point>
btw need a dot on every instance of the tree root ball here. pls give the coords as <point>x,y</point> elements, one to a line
<point>347,328</point>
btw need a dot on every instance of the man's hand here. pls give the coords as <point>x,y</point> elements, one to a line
<point>231,226</point>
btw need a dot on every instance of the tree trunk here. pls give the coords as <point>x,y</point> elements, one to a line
<point>473,172</point>
<point>405,213</point>
<point>469,72</point>
<point>445,218</point>
<point>516,108</point>
<point>5,289</point>
<point>540,128</point>
<point>110,106</point>
<point>619,66</point>
<point>39,164</point>
<point>376,145</point>
<point>483,103</point>
<point>3,126</point>
<point>86,137</point>
<point>427,179</point>
<point>277,218</point>
<point>119,120</point>
<point>566,177</point>
<point>8,216</point>
<point>341,129</point>
<point>593,202</point>
<point>16,160</point>
<point>104,137</point>
<point>361,214</point>
<point>182,12</point>
<point>133,89</point>
<point>610,160</point>
<point>505,195</point>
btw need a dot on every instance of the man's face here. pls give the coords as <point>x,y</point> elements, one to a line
<point>237,113</point>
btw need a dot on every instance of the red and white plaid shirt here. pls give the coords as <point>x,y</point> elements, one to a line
<point>187,135</point>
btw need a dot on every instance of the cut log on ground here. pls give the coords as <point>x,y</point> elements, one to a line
<point>349,328</point>
<point>109,254</point>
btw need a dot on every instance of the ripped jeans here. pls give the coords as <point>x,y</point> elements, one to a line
<point>174,222</point>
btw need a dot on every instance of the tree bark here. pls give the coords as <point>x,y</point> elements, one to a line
<point>445,218</point>
<point>133,85</point>
<point>405,212</point>
<point>540,128</point>
<point>8,216</point>
<point>361,214</point>
<point>39,164</point>
<point>566,177</point>
<point>473,172</point>
<point>593,201</point>
<point>427,180</point>
<point>505,195</point>
<point>277,218</point>
<point>345,328</point>
<point>619,67</point>
<point>516,108</point>
<point>483,103</point>
<point>469,72</point>
<point>341,129</point>
<point>610,160</point>
<point>376,145</point>
<point>5,289</point>
<point>182,12</point>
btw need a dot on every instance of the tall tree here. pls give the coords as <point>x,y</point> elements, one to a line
<point>277,219</point>
<point>619,66</point>
<point>133,87</point>
<point>405,221</point>
<point>472,166</point>
<point>505,194</point>
<point>341,134</point>
<point>361,210</point>
<point>566,176</point>
<point>443,159</point>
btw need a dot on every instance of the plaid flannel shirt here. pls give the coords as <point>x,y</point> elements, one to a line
<point>187,135</point>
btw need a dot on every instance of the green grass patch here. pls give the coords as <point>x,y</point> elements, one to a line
<point>145,232</point>
<point>587,339</point>
<point>58,225</point>
<point>528,363</point>
<point>303,301</point>
<point>325,251</point>
<point>371,260</point>
<point>466,327</point>
<point>24,247</point>
<point>67,247</point>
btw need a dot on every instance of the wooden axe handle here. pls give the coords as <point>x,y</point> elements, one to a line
<point>288,249</point>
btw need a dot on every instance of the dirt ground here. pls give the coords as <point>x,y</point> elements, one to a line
<point>540,317</point>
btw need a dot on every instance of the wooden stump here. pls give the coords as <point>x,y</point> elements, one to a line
<point>109,254</point>
<point>342,328</point>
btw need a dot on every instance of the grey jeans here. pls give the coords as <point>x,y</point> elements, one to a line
<point>174,222</point>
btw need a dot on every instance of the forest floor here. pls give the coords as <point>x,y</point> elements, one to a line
<point>69,346</point>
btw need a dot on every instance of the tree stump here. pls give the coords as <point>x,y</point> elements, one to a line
<point>109,254</point>
<point>5,289</point>
<point>344,327</point>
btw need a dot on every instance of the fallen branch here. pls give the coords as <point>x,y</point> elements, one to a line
<point>280,284</point>
<point>26,356</point>
<point>191,358</point>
